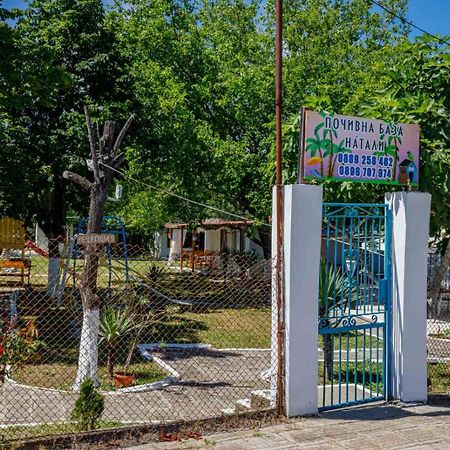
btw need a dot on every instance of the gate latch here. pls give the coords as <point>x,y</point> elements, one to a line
<point>383,287</point>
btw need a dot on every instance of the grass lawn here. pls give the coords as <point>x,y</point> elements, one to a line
<point>39,270</point>
<point>439,375</point>
<point>62,376</point>
<point>222,328</point>
<point>348,340</point>
<point>368,376</point>
<point>442,335</point>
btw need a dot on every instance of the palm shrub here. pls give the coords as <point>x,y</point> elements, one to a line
<point>89,406</point>
<point>335,294</point>
<point>154,273</point>
<point>114,325</point>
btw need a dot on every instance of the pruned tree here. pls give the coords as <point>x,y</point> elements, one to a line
<point>106,159</point>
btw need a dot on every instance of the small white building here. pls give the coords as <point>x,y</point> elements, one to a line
<point>211,236</point>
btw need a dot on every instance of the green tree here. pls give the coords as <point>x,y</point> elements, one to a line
<point>204,83</point>
<point>200,77</point>
<point>188,69</point>
<point>418,92</point>
<point>69,50</point>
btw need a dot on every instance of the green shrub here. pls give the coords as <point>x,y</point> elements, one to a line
<point>88,407</point>
<point>153,274</point>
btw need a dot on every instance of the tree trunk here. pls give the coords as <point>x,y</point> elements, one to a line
<point>435,288</point>
<point>330,158</point>
<point>265,242</point>
<point>103,155</point>
<point>53,266</point>
<point>88,356</point>
<point>52,224</point>
<point>394,172</point>
<point>321,162</point>
<point>111,360</point>
<point>328,357</point>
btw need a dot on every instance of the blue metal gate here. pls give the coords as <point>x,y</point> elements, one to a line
<point>354,304</point>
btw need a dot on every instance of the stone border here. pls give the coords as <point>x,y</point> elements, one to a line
<point>156,385</point>
<point>146,352</point>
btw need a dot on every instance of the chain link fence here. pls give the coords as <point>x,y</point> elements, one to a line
<point>438,331</point>
<point>165,340</point>
<point>184,337</point>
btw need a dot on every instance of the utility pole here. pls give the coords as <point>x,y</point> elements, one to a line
<point>280,403</point>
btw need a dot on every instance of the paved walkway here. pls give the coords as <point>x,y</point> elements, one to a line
<point>370,427</point>
<point>211,380</point>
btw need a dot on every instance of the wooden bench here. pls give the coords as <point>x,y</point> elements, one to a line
<point>12,237</point>
<point>16,268</point>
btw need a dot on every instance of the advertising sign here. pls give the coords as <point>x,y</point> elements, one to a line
<point>345,148</point>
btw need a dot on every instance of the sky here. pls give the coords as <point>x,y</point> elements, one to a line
<point>431,15</point>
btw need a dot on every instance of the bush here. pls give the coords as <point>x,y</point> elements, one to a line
<point>153,273</point>
<point>17,346</point>
<point>88,407</point>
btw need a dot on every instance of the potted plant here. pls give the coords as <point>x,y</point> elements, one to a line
<point>114,325</point>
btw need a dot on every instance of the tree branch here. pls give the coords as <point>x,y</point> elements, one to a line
<point>77,179</point>
<point>92,145</point>
<point>122,134</point>
<point>106,141</point>
<point>118,161</point>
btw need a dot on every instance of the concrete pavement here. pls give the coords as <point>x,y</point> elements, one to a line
<point>369,427</point>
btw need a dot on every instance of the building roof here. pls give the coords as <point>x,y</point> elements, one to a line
<point>407,162</point>
<point>213,223</point>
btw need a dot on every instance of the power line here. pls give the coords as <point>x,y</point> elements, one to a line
<point>404,20</point>
<point>204,205</point>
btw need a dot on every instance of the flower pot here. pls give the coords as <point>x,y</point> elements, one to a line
<point>122,379</point>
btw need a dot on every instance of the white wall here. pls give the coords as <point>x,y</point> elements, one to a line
<point>410,233</point>
<point>161,250</point>
<point>40,239</point>
<point>302,225</point>
<point>174,251</point>
<point>212,240</point>
<point>302,241</point>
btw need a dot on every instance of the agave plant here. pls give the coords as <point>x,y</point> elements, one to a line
<point>154,273</point>
<point>114,325</point>
<point>336,294</point>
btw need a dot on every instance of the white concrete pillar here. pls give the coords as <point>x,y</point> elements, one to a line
<point>302,239</point>
<point>208,240</point>
<point>175,245</point>
<point>407,377</point>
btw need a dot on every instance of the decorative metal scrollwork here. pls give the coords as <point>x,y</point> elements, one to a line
<point>348,321</point>
<point>324,323</point>
<point>351,211</point>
